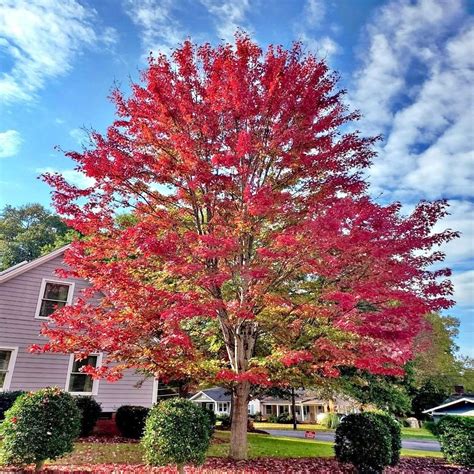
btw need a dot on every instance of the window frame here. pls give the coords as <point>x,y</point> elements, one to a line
<point>44,282</point>
<point>10,368</point>
<point>95,382</point>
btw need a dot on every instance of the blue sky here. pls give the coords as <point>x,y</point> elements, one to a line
<point>407,65</point>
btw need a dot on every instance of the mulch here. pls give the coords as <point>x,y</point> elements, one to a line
<point>258,466</point>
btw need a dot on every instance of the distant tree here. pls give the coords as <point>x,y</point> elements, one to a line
<point>28,231</point>
<point>427,396</point>
<point>435,362</point>
<point>388,393</point>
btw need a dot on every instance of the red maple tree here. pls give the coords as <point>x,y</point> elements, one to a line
<point>250,245</point>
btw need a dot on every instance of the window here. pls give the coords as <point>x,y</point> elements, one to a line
<point>268,409</point>
<point>7,362</point>
<point>222,407</point>
<point>77,381</point>
<point>53,295</point>
<point>162,391</point>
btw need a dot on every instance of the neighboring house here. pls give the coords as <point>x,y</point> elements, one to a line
<point>308,407</point>
<point>29,293</point>
<point>217,399</point>
<point>457,406</point>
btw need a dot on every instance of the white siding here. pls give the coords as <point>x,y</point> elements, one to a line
<point>18,327</point>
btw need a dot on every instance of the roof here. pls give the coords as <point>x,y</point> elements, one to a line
<point>23,267</point>
<point>299,400</point>
<point>218,394</point>
<point>450,404</point>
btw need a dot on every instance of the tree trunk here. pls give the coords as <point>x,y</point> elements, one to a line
<point>180,468</point>
<point>293,407</point>
<point>39,465</point>
<point>238,435</point>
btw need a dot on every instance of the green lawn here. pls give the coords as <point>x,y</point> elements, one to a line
<point>259,446</point>
<point>421,433</point>
<point>271,446</point>
<point>407,433</point>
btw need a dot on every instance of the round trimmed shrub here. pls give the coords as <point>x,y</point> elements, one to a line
<point>90,413</point>
<point>7,399</point>
<point>364,441</point>
<point>40,425</point>
<point>177,432</point>
<point>130,420</point>
<point>395,433</point>
<point>456,436</point>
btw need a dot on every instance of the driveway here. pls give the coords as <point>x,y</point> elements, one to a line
<point>417,444</point>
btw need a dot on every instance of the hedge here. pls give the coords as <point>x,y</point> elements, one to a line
<point>40,425</point>
<point>177,432</point>
<point>456,436</point>
<point>130,420</point>
<point>365,441</point>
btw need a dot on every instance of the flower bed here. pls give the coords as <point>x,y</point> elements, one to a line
<point>268,465</point>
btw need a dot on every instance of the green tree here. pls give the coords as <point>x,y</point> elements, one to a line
<point>435,362</point>
<point>29,231</point>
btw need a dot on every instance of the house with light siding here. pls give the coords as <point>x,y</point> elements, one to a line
<point>29,293</point>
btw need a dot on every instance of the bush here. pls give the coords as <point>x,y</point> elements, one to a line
<point>7,399</point>
<point>272,419</point>
<point>456,436</point>
<point>130,420</point>
<point>395,433</point>
<point>331,420</point>
<point>284,418</point>
<point>363,440</point>
<point>177,432</point>
<point>39,426</point>
<point>90,413</point>
<point>225,421</point>
<point>431,426</point>
<point>212,418</point>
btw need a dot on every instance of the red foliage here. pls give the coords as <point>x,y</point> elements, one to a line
<point>250,221</point>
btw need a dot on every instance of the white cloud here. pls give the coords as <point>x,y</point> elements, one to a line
<point>464,288</point>
<point>229,16</point>
<point>307,29</point>
<point>79,135</point>
<point>461,218</point>
<point>10,142</point>
<point>42,38</point>
<point>415,87</point>
<point>160,31</point>
<point>72,176</point>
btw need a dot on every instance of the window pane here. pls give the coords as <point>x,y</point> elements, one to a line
<point>49,307</point>
<point>5,359</point>
<point>80,383</point>
<point>2,378</point>
<point>78,364</point>
<point>56,291</point>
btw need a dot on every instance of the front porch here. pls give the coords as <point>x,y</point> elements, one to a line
<point>305,412</point>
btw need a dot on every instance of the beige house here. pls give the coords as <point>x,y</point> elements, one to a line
<point>308,409</point>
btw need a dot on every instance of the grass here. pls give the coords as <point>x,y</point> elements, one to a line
<point>420,433</point>
<point>407,433</point>
<point>260,446</point>
<point>270,446</point>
